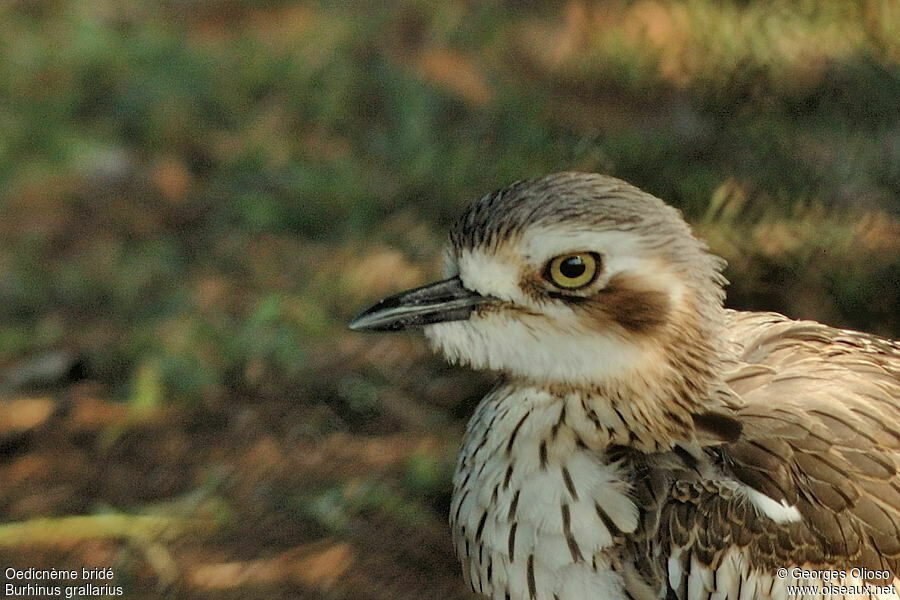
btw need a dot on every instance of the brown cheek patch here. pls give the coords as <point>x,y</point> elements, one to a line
<point>627,302</point>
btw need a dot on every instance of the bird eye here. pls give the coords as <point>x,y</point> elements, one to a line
<point>572,271</point>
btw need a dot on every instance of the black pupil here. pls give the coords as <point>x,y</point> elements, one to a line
<point>572,267</point>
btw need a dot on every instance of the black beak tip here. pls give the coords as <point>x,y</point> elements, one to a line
<point>368,320</point>
<point>364,327</point>
<point>361,323</point>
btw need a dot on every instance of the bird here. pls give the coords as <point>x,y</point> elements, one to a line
<point>643,441</point>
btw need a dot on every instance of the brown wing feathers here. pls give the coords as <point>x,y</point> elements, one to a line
<point>821,431</point>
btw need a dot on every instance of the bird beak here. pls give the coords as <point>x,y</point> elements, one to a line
<point>437,302</point>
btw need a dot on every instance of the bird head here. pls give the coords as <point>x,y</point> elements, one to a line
<point>571,279</point>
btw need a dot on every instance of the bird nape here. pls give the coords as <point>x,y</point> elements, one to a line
<point>644,442</point>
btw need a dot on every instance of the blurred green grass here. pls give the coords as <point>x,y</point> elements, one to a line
<point>207,190</point>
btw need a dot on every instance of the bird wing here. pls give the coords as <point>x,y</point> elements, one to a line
<point>820,412</point>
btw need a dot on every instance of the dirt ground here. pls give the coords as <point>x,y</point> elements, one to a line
<point>230,487</point>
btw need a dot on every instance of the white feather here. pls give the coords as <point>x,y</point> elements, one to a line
<point>780,512</point>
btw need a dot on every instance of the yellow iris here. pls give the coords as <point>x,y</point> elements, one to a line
<point>572,271</point>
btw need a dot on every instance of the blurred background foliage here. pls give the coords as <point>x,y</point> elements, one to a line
<point>196,195</point>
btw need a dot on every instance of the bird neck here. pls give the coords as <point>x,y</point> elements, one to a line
<point>622,416</point>
<point>664,399</point>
